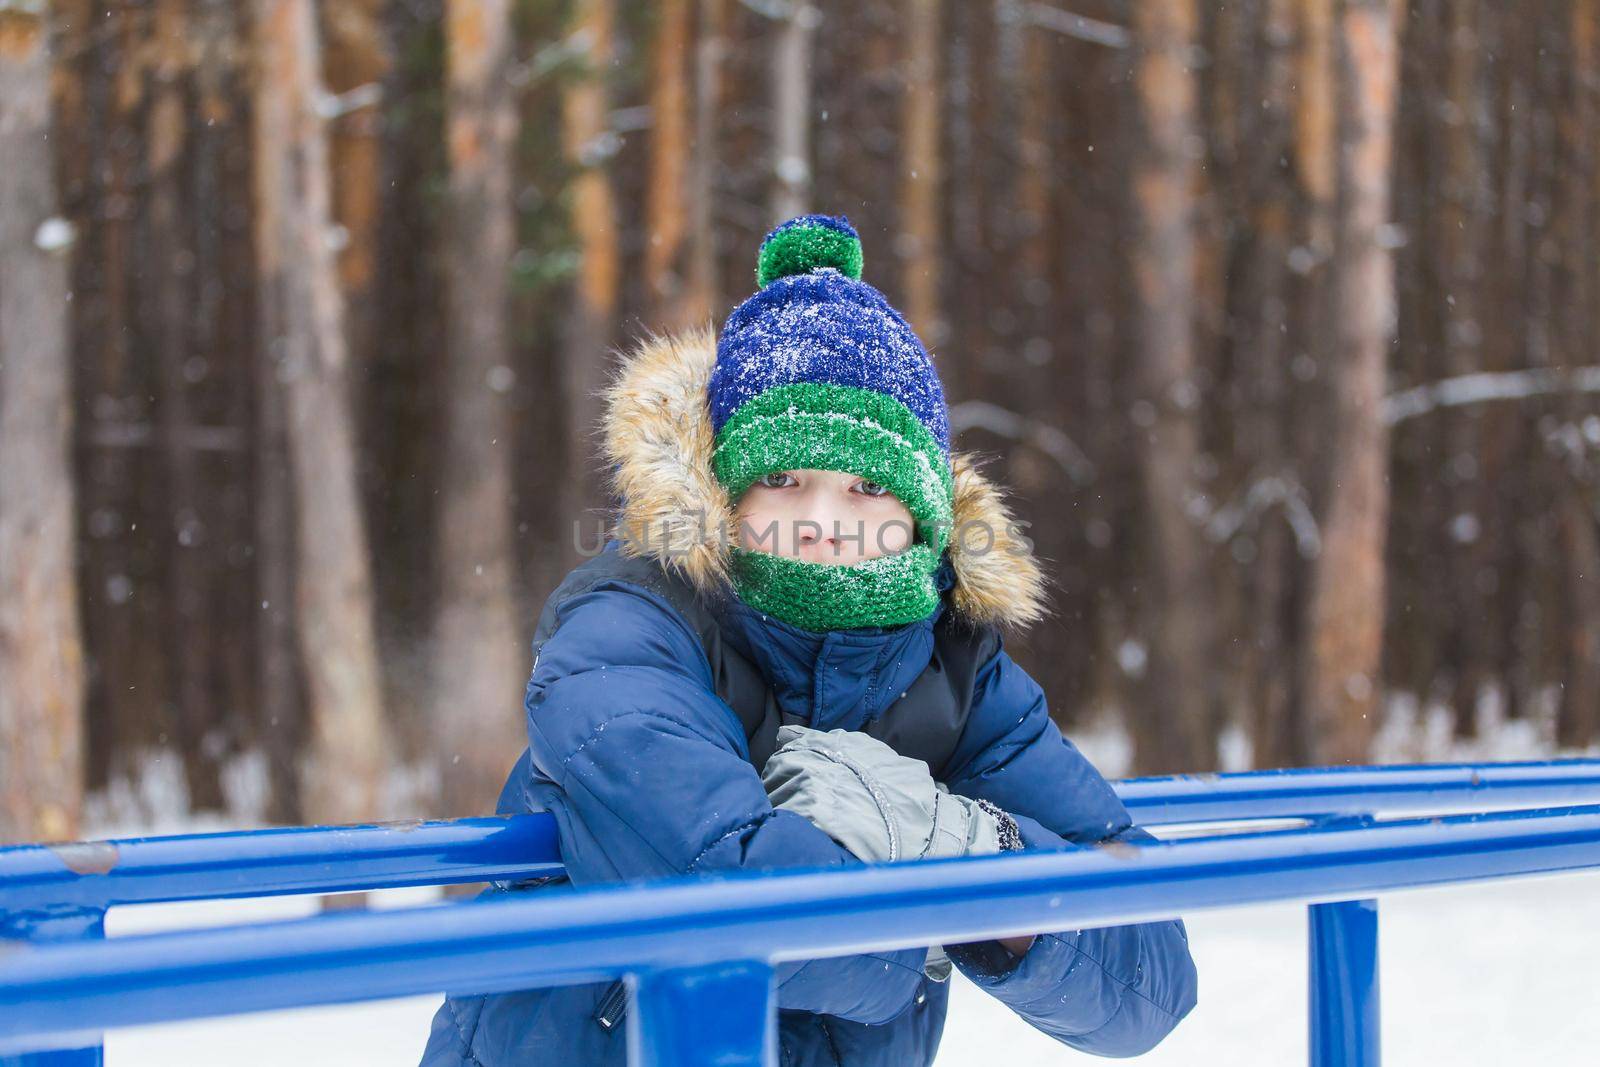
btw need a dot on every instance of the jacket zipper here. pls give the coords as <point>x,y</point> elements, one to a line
<point>833,1049</point>
<point>613,1005</point>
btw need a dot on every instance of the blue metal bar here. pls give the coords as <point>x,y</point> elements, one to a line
<point>50,995</point>
<point>92,1056</point>
<point>61,923</point>
<point>725,1014</point>
<point>57,924</point>
<point>60,892</point>
<point>1344,984</point>
<point>1432,789</point>
<point>39,879</point>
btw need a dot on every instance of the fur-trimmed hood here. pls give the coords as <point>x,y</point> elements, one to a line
<point>658,439</point>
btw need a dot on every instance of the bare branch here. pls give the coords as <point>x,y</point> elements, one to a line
<point>1080,26</point>
<point>330,106</point>
<point>776,10</point>
<point>1479,388</point>
<point>998,420</point>
<point>1280,490</point>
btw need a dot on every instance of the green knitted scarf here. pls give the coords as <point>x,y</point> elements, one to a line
<point>882,591</point>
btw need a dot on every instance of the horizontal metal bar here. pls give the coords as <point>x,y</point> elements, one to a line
<point>93,1056</point>
<point>1431,788</point>
<point>307,859</point>
<point>65,993</point>
<point>349,858</point>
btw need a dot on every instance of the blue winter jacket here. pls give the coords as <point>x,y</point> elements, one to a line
<point>645,771</point>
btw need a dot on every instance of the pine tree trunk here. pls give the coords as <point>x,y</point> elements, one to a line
<point>1578,721</point>
<point>585,356</point>
<point>1172,720</point>
<point>920,170</point>
<point>1315,168</point>
<point>1480,434</point>
<point>791,112</point>
<point>185,501</point>
<point>41,651</point>
<point>1347,597</point>
<point>1265,415</point>
<point>1316,121</point>
<point>703,299</point>
<point>479,673</point>
<point>301,310</point>
<point>281,698</point>
<point>666,221</point>
<point>357,61</point>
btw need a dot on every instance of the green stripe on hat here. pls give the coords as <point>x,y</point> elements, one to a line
<point>821,426</point>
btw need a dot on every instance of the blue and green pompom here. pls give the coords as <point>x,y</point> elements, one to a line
<point>809,241</point>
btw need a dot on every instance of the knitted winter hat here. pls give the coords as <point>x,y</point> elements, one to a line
<point>816,370</point>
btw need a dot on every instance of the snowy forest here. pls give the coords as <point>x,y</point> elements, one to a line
<point>1277,318</point>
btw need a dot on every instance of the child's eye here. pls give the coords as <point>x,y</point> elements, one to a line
<point>766,480</point>
<point>871,488</point>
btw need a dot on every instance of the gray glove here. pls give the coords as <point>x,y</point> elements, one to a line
<point>880,805</point>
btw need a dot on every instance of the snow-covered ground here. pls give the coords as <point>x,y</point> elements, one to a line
<point>1486,974</point>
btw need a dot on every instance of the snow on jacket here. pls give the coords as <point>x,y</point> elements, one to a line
<point>648,773</point>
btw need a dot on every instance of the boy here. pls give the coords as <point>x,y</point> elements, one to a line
<point>826,687</point>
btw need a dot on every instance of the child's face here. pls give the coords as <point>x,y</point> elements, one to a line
<point>822,516</point>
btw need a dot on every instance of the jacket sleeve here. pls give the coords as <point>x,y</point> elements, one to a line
<point>1115,991</point>
<point>652,779</point>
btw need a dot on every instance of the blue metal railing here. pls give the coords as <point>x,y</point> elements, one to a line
<point>62,996</point>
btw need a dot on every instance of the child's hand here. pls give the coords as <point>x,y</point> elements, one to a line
<point>880,805</point>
